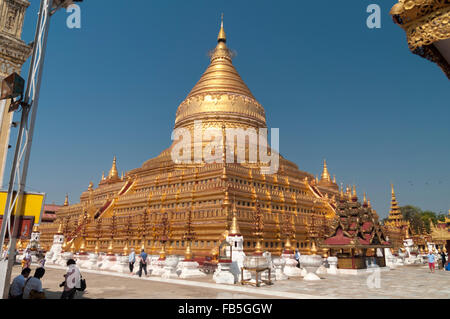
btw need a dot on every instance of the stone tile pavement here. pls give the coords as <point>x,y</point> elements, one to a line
<point>402,282</point>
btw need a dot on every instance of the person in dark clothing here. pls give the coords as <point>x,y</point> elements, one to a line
<point>143,263</point>
<point>443,258</point>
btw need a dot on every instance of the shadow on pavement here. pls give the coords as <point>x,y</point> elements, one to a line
<point>51,294</point>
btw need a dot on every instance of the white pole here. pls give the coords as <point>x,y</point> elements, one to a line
<point>37,64</point>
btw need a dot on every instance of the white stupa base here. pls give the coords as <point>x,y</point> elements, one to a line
<point>107,262</point>
<point>322,270</point>
<point>332,262</point>
<point>223,274</point>
<point>170,267</point>
<point>157,267</point>
<point>121,265</point>
<point>81,260</point>
<point>92,262</point>
<point>189,269</point>
<point>291,269</point>
<point>303,272</point>
<point>280,275</point>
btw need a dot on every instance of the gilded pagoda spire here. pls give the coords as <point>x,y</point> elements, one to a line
<point>113,174</point>
<point>221,91</point>
<point>234,229</point>
<point>222,37</point>
<point>325,175</point>
<point>66,201</point>
<point>395,213</point>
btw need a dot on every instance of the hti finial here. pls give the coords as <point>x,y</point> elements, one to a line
<point>222,36</point>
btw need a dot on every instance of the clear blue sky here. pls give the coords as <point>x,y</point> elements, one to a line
<point>336,89</point>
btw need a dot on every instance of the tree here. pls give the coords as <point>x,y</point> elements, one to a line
<point>413,215</point>
<point>420,221</point>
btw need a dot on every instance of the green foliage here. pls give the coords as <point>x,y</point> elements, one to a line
<point>419,220</point>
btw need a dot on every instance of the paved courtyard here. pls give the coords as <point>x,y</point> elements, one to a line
<point>403,282</point>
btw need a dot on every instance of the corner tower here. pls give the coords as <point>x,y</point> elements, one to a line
<point>13,54</point>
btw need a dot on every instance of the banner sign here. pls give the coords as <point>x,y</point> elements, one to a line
<point>33,208</point>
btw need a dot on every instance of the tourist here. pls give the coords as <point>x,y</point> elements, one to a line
<point>443,259</point>
<point>143,263</point>
<point>26,262</point>
<point>131,260</point>
<point>33,286</point>
<point>72,280</point>
<point>16,289</point>
<point>41,261</point>
<point>297,257</point>
<point>431,260</point>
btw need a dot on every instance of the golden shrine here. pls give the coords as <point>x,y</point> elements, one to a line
<point>440,233</point>
<point>397,228</point>
<point>356,233</point>
<point>170,207</point>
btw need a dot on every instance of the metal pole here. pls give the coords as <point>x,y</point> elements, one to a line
<point>43,25</point>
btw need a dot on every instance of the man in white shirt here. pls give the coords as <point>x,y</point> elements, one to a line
<point>72,282</point>
<point>16,289</point>
<point>34,283</point>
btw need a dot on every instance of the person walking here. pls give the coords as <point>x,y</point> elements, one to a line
<point>297,257</point>
<point>33,286</point>
<point>443,259</point>
<point>431,260</point>
<point>72,282</point>
<point>26,262</point>
<point>131,260</point>
<point>16,289</point>
<point>143,263</point>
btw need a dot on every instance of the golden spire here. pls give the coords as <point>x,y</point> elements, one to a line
<point>103,176</point>
<point>221,90</point>
<point>113,172</point>
<point>234,229</point>
<point>334,179</point>
<point>325,175</point>
<point>393,192</point>
<point>60,227</point>
<point>91,185</point>
<point>222,37</point>
<point>395,213</point>
<point>66,201</point>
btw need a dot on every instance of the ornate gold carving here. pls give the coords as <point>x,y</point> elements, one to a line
<point>425,22</point>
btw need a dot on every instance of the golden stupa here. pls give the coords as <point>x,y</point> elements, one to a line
<point>126,212</point>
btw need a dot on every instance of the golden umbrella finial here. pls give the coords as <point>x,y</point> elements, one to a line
<point>66,201</point>
<point>222,37</point>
